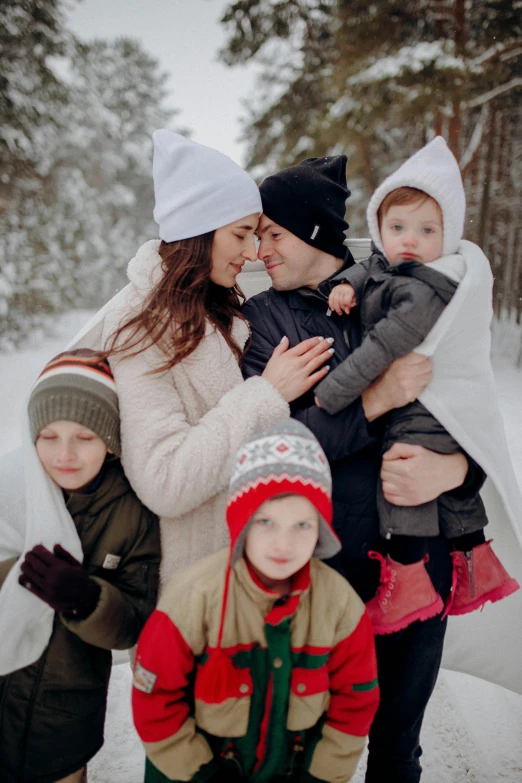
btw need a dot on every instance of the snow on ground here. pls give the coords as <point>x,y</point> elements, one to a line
<point>472,728</point>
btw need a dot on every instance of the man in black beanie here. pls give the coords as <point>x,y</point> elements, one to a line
<point>309,200</point>
<point>302,236</point>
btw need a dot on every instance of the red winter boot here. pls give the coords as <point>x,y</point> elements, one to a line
<point>478,576</point>
<point>405,594</point>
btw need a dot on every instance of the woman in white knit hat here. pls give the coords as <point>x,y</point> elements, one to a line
<point>175,346</point>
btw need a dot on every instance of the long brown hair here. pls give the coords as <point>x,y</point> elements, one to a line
<point>174,314</point>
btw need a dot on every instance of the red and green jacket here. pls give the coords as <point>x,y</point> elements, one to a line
<point>292,687</point>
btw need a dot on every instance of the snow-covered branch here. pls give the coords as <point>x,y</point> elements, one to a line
<point>504,50</point>
<point>476,138</point>
<point>488,96</point>
<point>413,59</point>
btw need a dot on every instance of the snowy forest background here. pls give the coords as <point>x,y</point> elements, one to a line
<point>373,80</point>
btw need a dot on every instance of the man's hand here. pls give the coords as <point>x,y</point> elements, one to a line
<point>412,475</point>
<point>404,380</point>
<point>342,298</point>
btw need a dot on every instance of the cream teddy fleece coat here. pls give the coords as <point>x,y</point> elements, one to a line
<point>181,429</point>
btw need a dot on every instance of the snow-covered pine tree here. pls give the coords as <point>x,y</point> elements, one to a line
<point>78,212</point>
<point>31,101</point>
<point>104,196</point>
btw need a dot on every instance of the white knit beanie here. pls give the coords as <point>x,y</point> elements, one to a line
<point>197,188</point>
<point>434,170</point>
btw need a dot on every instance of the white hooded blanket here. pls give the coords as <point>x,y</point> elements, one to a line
<point>486,644</point>
<point>462,396</point>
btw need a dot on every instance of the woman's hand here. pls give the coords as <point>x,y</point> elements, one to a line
<point>404,380</point>
<point>294,371</point>
<point>412,475</point>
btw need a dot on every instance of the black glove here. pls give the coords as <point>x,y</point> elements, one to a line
<point>61,581</point>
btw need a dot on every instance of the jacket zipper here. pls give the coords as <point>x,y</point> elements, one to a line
<point>297,748</point>
<point>345,335</point>
<point>230,754</point>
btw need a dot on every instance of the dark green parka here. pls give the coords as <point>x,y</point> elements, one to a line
<point>52,712</point>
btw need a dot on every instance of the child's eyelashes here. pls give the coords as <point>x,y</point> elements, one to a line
<point>263,521</point>
<point>83,438</point>
<point>399,227</point>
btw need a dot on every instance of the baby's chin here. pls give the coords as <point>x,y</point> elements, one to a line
<point>407,257</point>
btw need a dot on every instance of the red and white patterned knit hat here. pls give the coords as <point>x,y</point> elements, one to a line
<point>286,459</point>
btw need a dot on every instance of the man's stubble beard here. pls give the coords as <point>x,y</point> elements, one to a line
<point>286,284</point>
<point>283,287</point>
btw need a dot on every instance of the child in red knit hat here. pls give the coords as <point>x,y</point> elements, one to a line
<point>259,660</point>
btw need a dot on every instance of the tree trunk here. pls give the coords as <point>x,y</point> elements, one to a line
<point>483,213</point>
<point>460,46</point>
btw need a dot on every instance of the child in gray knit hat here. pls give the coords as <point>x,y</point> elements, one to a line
<point>416,220</point>
<point>52,712</point>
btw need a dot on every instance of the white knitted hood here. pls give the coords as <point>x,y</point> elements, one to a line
<point>434,170</point>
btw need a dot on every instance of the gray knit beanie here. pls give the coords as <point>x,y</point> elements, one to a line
<point>77,386</point>
<point>286,459</point>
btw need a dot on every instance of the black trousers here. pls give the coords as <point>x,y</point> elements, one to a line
<point>408,665</point>
<point>408,661</point>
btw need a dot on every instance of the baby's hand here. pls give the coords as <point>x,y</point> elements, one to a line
<point>342,299</point>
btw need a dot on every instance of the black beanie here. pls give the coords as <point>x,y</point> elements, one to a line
<point>308,199</point>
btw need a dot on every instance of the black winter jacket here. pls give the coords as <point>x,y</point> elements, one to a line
<point>52,712</point>
<point>348,441</point>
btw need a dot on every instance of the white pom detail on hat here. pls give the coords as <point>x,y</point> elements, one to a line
<point>197,189</point>
<point>434,170</point>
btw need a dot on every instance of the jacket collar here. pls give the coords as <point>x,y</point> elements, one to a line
<point>274,607</point>
<point>93,499</point>
<point>307,298</point>
<point>432,277</point>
